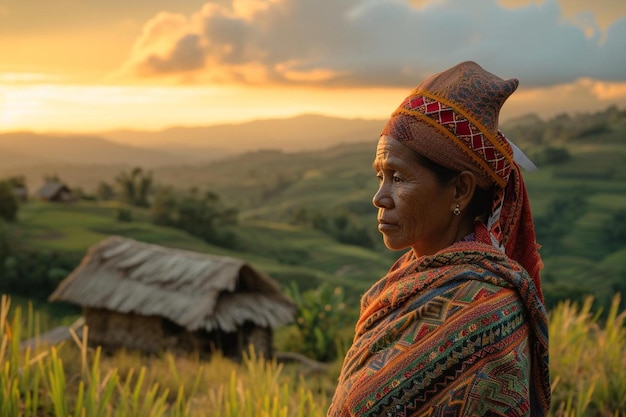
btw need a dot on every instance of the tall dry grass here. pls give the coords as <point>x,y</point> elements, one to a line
<point>588,360</point>
<point>73,380</point>
<point>588,365</point>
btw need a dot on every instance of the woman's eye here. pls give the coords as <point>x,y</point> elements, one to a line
<point>397,179</point>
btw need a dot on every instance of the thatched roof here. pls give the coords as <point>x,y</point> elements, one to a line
<point>194,290</point>
<point>51,190</point>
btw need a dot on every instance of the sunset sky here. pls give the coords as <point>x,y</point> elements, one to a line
<point>86,65</point>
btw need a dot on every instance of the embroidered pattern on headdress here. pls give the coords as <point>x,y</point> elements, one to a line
<point>488,152</point>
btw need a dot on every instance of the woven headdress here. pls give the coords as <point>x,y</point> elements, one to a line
<point>451,118</point>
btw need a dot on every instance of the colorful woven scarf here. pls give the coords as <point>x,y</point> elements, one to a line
<point>452,119</point>
<point>459,333</point>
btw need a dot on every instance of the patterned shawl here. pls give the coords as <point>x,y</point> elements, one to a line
<point>459,333</point>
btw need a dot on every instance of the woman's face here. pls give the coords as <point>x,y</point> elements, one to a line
<point>414,209</point>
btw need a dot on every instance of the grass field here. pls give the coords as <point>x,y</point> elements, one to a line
<point>588,375</point>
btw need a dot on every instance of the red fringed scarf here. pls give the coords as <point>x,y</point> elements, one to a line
<point>518,230</point>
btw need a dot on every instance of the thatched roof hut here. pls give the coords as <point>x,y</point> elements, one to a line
<point>55,191</point>
<point>153,298</point>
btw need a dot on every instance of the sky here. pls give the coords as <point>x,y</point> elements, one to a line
<point>91,66</point>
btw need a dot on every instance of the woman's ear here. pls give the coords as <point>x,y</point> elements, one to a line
<point>464,187</point>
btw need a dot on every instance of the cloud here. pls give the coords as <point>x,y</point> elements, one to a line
<point>378,43</point>
<point>187,55</point>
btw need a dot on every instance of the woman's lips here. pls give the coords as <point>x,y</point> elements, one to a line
<point>385,225</point>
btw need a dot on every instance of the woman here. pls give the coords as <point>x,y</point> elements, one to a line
<point>457,327</point>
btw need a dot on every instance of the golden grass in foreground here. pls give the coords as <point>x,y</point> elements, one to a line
<point>73,380</point>
<point>588,364</point>
<point>588,360</point>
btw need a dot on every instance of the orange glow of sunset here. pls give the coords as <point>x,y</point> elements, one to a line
<point>88,66</point>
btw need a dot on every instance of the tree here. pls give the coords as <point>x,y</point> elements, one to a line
<point>6,242</point>
<point>135,186</point>
<point>52,178</point>
<point>204,216</point>
<point>198,214</point>
<point>163,209</point>
<point>342,224</point>
<point>615,230</point>
<point>557,221</point>
<point>551,155</point>
<point>105,191</point>
<point>17,181</point>
<point>8,202</point>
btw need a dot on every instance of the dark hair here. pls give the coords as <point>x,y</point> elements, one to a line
<point>444,175</point>
<point>480,206</point>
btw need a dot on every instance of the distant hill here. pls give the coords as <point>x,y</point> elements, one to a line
<point>296,134</point>
<point>182,145</point>
<point>23,149</point>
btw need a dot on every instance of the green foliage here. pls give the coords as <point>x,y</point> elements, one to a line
<point>105,191</point>
<point>531,130</point>
<point>124,214</point>
<point>163,208</point>
<point>303,280</point>
<point>557,221</point>
<point>81,194</point>
<point>342,225</point>
<point>554,293</point>
<point>548,155</point>
<point>135,186</point>
<point>6,240</point>
<point>52,178</point>
<point>614,230</point>
<point>321,316</point>
<point>35,273</point>
<point>200,215</point>
<point>17,181</point>
<point>8,202</point>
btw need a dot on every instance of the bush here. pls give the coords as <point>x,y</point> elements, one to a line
<point>199,215</point>
<point>342,225</point>
<point>8,202</point>
<point>124,215</point>
<point>320,318</point>
<point>614,231</point>
<point>35,274</point>
<point>551,155</point>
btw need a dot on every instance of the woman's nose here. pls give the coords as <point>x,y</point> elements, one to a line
<point>382,199</point>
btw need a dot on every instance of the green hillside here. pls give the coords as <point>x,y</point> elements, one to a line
<point>578,195</point>
<point>286,252</point>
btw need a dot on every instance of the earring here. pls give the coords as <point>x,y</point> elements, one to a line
<point>457,210</point>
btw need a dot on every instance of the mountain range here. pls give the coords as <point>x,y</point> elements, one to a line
<point>182,145</point>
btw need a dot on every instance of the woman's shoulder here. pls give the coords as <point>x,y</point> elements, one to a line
<point>470,290</point>
<point>481,297</point>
